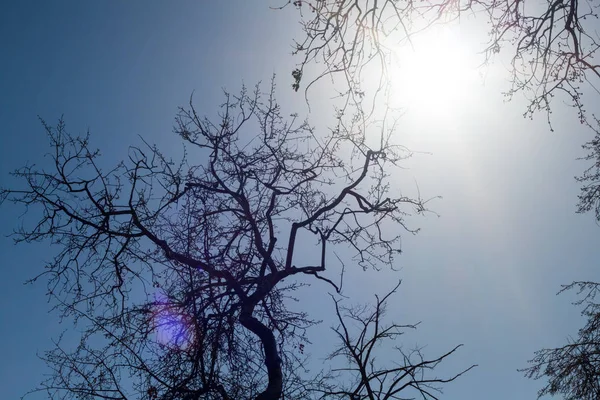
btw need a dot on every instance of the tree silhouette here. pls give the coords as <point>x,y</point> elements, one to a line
<point>179,273</point>
<point>573,370</point>
<point>361,330</point>
<point>553,50</point>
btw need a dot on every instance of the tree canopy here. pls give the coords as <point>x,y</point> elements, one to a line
<point>552,48</point>
<point>180,273</point>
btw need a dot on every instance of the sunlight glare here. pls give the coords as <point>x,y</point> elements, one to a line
<point>432,77</point>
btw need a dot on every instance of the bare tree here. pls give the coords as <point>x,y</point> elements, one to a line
<point>360,374</point>
<point>589,197</point>
<point>573,370</point>
<point>346,36</point>
<point>553,46</point>
<point>179,274</point>
<point>553,49</point>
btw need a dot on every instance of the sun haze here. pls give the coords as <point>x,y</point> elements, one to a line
<point>431,74</point>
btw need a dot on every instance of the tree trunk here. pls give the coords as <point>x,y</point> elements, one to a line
<point>272,359</point>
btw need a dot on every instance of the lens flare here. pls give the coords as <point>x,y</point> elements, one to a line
<point>171,323</point>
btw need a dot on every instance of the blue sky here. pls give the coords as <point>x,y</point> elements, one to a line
<point>484,273</point>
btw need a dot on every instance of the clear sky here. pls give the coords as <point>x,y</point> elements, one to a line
<point>484,273</point>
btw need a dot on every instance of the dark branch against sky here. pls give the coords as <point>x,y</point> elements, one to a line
<point>483,274</point>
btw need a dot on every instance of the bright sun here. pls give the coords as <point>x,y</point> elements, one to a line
<point>433,76</point>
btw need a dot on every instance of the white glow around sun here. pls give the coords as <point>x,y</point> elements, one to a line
<point>432,77</point>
